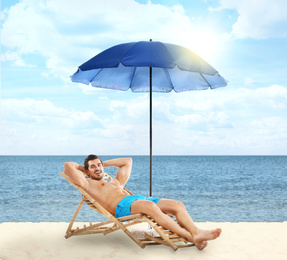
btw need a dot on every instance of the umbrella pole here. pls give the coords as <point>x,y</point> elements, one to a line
<point>150,131</point>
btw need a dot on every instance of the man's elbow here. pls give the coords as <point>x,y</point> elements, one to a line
<point>129,161</point>
<point>68,166</point>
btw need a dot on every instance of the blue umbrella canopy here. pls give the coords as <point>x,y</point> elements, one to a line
<point>149,66</point>
<point>127,66</point>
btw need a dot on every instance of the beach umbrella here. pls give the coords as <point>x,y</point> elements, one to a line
<point>148,66</point>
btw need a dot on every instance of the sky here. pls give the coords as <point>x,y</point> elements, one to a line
<point>44,41</point>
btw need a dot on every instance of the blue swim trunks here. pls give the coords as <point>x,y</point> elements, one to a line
<point>124,207</point>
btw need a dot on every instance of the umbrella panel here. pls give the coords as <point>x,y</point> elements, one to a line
<point>163,80</point>
<point>114,78</point>
<point>85,77</point>
<point>160,80</point>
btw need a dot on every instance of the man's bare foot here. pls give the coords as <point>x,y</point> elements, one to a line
<point>201,246</point>
<point>204,235</point>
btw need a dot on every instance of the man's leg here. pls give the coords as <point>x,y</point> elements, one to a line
<point>184,220</point>
<point>151,209</point>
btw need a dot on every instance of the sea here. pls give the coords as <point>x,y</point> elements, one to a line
<point>213,188</point>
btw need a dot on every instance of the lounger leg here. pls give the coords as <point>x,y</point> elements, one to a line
<point>74,217</point>
<point>122,226</point>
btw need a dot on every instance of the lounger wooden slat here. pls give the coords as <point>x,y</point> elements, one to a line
<point>165,237</point>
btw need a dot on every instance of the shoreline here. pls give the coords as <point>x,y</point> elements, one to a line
<point>45,240</point>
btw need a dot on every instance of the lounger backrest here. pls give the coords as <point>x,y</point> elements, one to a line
<point>93,203</point>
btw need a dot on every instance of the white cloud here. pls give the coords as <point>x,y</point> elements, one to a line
<point>45,113</point>
<point>204,111</point>
<point>39,127</point>
<point>31,126</point>
<point>115,104</point>
<point>227,98</point>
<point>249,81</point>
<point>223,121</point>
<point>15,58</point>
<point>258,19</point>
<point>67,37</point>
<point>134,109</point>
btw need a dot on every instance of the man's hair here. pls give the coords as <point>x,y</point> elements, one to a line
<point>89,158</point>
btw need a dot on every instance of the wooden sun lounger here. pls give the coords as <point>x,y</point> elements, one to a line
<point>164,237</point>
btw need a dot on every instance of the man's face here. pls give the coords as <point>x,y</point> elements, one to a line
<point>96,169</point>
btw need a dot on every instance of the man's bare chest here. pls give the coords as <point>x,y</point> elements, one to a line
<point>102,188</point>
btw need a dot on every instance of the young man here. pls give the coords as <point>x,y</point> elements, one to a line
<point>119,202</point>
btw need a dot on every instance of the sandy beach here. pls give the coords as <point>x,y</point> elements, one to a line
<point>46,241</point>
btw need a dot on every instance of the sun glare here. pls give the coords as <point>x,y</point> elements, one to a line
<point>204,43</point>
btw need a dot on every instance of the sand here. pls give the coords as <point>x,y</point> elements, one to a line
<point>46,241</point>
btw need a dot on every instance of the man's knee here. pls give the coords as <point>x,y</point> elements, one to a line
<point>178,206</point>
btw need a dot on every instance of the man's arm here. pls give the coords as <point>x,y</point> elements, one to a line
<point>76,173</point>
<point>124,171</point>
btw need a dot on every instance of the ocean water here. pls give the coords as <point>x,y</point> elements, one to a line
<point>213,188</point>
